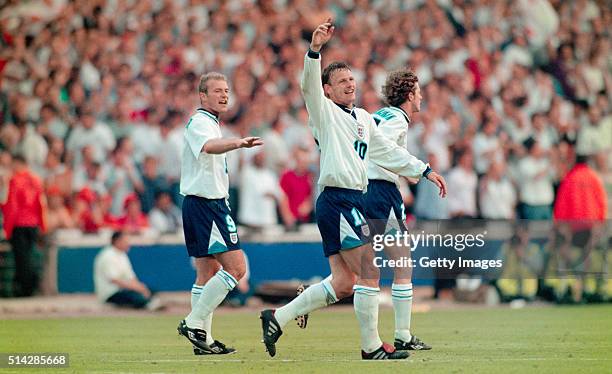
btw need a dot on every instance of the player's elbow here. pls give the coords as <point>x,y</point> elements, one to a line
<point>210,148</point>
<point>206,148</point>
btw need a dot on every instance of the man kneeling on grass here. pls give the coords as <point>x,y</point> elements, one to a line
<point>115,280</point>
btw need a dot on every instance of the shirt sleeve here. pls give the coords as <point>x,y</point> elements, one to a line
<point>387,154</point>
<point>312,89</point>
<point>197,133</point>
<point>393,129</point>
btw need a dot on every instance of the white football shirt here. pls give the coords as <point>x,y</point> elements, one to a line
<point>347,143</point>
<point>393,123</point>
<point>203,174</point>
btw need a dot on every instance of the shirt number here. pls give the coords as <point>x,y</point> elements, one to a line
<point>361,148</point>
<point>231,226</point>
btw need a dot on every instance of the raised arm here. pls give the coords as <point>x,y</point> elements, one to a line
<point>311,77</point>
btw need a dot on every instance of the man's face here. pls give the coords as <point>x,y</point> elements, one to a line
<point>341,88</point>
<point>217,96</point>
<point>88,120</point>
<point>416,99</point>
<point>164,202</point>
<point>123,243</point>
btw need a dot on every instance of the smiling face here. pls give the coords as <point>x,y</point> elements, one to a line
<point>341,87</point>
<point>215,98</point>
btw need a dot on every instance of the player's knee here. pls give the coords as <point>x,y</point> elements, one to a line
<point>237,270</point>
<point>204,275</point>
<point>344,291</point>
<point>370,272</point>
<point>344,286</point>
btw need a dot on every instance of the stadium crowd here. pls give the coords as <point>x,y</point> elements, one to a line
<point>95,95</point>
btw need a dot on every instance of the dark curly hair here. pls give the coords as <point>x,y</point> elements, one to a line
<point>398,85</point>
<point>331,68</point>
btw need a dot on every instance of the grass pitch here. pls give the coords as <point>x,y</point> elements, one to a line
<point>548,339</point>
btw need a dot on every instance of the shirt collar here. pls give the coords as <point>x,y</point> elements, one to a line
<point>346,109</point>
<point>403,113</point>
<point>209,114</point>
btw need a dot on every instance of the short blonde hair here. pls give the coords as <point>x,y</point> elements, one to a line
<point>203,86</point>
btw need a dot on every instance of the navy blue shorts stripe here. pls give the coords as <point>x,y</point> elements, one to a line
<point>382,197</point>
<point>208,226</point>
<point>341,219</point>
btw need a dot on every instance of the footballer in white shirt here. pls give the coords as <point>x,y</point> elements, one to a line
<point>211,235</point>
<point>384,203</point>
<point>348,138</point>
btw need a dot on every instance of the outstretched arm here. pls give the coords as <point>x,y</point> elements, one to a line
<point>221,145</point>
<point>387,154</point>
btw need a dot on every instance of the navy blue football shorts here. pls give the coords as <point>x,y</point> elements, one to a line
<point>339,214</point>
<point>384,208</point>
<point>209,229</point>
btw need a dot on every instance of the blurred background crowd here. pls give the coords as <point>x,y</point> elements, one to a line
<point>95,94</point>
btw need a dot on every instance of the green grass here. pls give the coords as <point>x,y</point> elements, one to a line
<point>556,339</point>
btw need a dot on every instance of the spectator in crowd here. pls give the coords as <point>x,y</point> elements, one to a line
<point>544,134</point>
<point>497,196</point>
<point>56,173</point>
<point>462,185</point>
<point>428,204</point>
<point>89,75</point>
<point>581,196</point>
<point>90,132</point>
<point>262,197</point>
<point>152,183</point>
<point>89,173</point>
<point>165,217</point>
<point>535,180</point>
<point>146,135</point>
<point>58,215</point>
<point>170,154</point>
<point>276,150</point>
<point>114,278</point>
<point>6,172</point>
<point>297,184</point>
<point>24,220</point>
<point>595,133</point>
<point>86,211</point>
<point>133,221</point>
<point>109,220</point>
<point>487,147</point>
<point>32,146</point>
<point>50,124</point>
<point>122,179</point>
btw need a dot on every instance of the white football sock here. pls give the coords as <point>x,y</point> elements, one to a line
<point>314,297</point>
<point>196,291</point>
<point>365,301</point>
<point>401,294</point>
<point>213,293</point>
